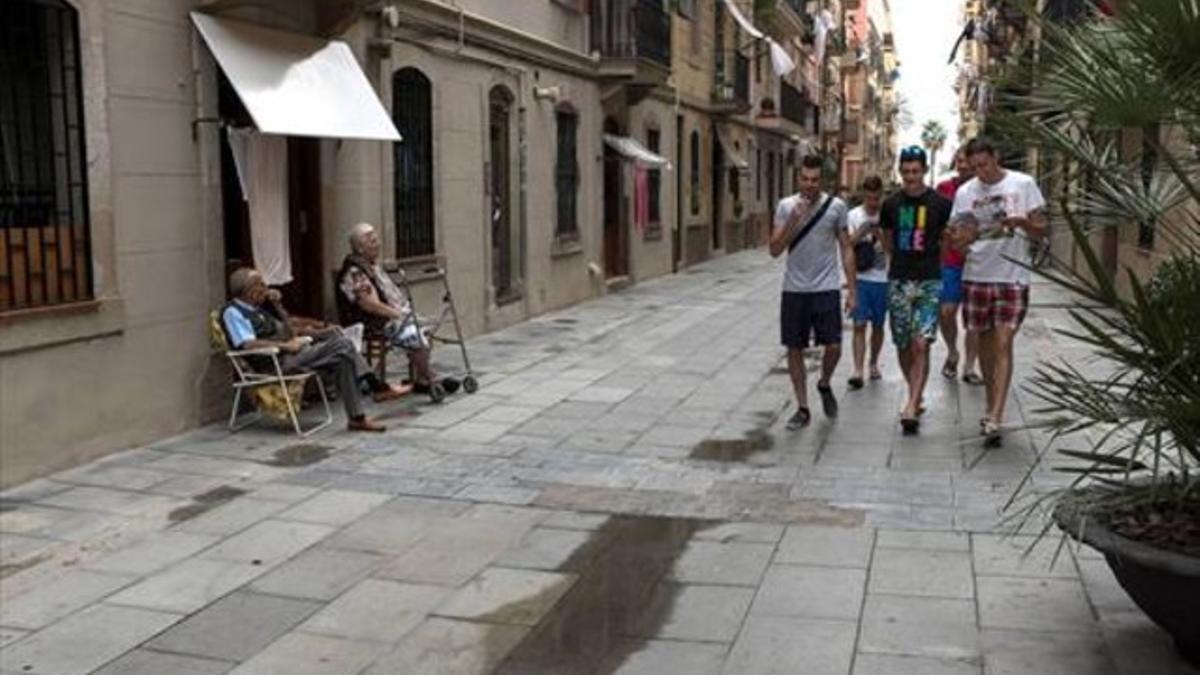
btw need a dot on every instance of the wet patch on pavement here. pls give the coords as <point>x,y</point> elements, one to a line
<point>205,501</point>
<point>620,594</point>
<point>733,450</point>
<point>299,454</point>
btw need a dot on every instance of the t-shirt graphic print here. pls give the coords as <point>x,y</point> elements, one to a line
<point>998,255</point>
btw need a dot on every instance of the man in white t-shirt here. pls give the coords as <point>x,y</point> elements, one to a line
<point>810,226</point>
<point>872,264</point>
<point>996,214</point>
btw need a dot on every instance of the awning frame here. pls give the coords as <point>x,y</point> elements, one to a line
<point>293,84</point>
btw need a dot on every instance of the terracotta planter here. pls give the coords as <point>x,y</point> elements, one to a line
<point>1164,584</point>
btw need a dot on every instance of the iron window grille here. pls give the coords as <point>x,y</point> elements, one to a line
<point>566,174</point>
<point>413,163</point>
<point>654,179</point>
<point>45,237</point>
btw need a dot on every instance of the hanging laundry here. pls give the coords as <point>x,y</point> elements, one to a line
<point>641,198</point>
<point>263,173</point>
<point>781,62</point>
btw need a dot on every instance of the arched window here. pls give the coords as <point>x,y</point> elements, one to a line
<point>695,172</point>
<point>412,110</point>
<point>45,238</point>
<point>504,244</point>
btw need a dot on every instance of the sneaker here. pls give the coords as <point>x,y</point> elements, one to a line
<point>829,404</point>
<point>799,420</point>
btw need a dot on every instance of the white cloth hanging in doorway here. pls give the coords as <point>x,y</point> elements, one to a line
<point>261,162</point>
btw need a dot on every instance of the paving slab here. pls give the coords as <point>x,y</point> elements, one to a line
<point>85,640</point>
<point>188,586</point>
<point>1034,604</point>
<point>833,546</point>
<point>145,662</point>
<point>703,614</point>
<point>234,628</point>
<point>890,664</point>
<point>772,645</point>
<point>508,596</point>
<point>305,654</point>
<point>58,598</point>
<point>811,592</point>
<point>377,610</point>
<point>153,553</point>
<point>318,573</point>
<point>943,574</point>
<point>334,507</point>
<point>441,646</point>
<point>713,562</point>
<point>915,626</point>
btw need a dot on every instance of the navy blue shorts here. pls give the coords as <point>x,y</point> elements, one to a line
<point>805,315</point>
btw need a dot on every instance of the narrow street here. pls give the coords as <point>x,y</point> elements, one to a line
<point>619,497</point>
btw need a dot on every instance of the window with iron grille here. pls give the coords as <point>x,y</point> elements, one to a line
<point>413,170</point>
<point>45,239</point>
<point>654,179</point>
<point>566,174</point>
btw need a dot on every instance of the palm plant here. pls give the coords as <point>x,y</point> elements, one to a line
<point>1137,407</point>
<point>933,136</point>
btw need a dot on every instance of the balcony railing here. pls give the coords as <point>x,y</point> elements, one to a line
<point>793,105</point>
<point>631,29</point>
<point>733,87</point>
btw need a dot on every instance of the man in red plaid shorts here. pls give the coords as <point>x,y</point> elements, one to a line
<point>996,214</point>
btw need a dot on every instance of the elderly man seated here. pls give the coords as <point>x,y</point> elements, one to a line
<point>376,302</point>
<point>250,323</point>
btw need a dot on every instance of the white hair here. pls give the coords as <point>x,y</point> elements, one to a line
<point>356,235</point>
<point>241,279</point>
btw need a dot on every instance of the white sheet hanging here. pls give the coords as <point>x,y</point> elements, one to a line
<point>266,190</point>
<point>781,62</point>
<point>237,147</point>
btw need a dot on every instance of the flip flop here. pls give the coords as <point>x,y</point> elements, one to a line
<point>972,378</point>
<point>950,369</point>
<point>876,375</point>
<point>910,425</point>
<point>855,382</point>
<point>991,435</point>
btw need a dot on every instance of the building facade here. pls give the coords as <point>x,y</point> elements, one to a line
<point>552,150</point>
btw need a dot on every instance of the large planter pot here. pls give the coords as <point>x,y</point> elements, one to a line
<point>1164,584</point>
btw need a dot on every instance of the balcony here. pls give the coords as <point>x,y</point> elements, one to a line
<point>631,36</point>
<point>731,93</point>
<point>793,104</point>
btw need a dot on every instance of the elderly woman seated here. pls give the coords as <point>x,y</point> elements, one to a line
<point>250,322</point>
<point>374,300</point>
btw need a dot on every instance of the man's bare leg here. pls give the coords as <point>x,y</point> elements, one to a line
<point>948,319</point>
<point>876,347</point>
<point>971,342</point>
<point>829,361</point>
<point>915,374</point>
<point>1003,338</point>
<point>795,360</point>
<point>987,363</point>
<point>860,348</point>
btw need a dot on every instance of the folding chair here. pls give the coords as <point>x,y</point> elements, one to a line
<point>272,392</point>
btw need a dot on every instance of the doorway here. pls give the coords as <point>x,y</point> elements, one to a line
<point>677,235</point>
<point>615,240</point>
<point>718,160</point>
<point>304,295</point>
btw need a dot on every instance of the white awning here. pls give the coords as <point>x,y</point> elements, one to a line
<point>631,149</point>
<point>732,156</point>
<point>296,85</point>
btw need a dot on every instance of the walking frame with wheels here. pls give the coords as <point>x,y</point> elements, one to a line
<point>431,326</point>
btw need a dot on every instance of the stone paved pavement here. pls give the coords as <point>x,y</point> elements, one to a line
<point>620,497</point>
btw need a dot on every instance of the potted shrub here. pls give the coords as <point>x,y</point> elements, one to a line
<point>1127,423</point>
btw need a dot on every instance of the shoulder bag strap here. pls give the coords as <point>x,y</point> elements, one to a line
<point>812,222</point>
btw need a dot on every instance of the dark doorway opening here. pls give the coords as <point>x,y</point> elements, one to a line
<point>616,241</point>
<point>718,161</point>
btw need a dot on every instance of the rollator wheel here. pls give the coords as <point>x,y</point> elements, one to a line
<point>437,393</point>
<point>470,384</point>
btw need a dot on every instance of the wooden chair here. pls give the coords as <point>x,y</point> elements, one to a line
<point>273,393</point>
<point>375,343</point>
